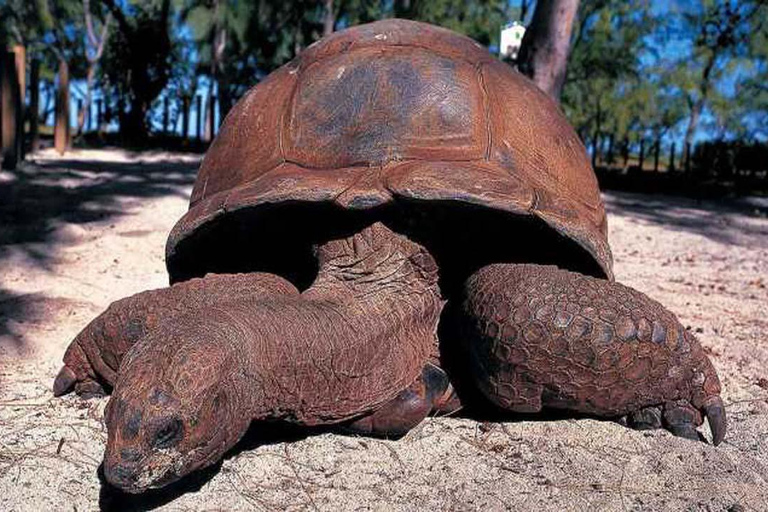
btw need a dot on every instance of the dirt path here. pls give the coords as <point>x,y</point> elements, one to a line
<point>79,232</point>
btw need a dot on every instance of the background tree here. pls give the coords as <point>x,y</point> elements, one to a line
<point>603,93</point>
<point>94,48</point>
<point>137,61</point>
<point>546,44</point>
<point>727,35</point>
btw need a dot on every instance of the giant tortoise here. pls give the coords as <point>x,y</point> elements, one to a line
<point>391,224</point>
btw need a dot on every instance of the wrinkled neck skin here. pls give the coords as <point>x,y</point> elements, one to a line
<point>374,306</point>
<point>373,265</point>
<point>357,337</point>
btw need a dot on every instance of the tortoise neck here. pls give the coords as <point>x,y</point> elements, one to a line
<point>374,261</point>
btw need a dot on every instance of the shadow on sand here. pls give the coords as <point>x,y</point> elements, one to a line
<point>724,220</point>
<point>39,197</point>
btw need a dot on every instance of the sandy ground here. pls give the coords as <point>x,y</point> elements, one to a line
<point>81,231</point>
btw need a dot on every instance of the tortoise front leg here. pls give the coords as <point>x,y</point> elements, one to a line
<point>540,337</point>
<point>430,392</point>
<point>93,358</point>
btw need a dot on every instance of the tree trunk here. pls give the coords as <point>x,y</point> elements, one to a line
<point>97,49</point>
<point>595,148</point>
<point>10,111</point>
<point>698,105</point>
<point>199,124</point>
<point>20,53</point>
<point>546,44</point>
<point>609,155</point>
<point>625,154</point>
<point>133,125</point>
<point>185,117</point>
<point>596,136</point>
<point>165,115</point>
<point>86,107</point>
<point>61,126</point>
<point>218,44</point>
<point>147,73</point>
<point>210,115</point>
<point>225,100</point>
<point>34,105</point>
<point>329,17</point>
<point>693,121</point>
<point>99,115</point>
<point>672,158</point>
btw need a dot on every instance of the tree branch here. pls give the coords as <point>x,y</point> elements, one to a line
<point>119,15</point>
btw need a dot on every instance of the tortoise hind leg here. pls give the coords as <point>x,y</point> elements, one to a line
<point>92,360</point>
<point>430,392</point>
<point>586,345</point>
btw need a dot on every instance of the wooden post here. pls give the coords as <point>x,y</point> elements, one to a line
<point>61,123</point>
<point>34,105</point>
<point>10,111</point>
<point>184,117</point>
<point>199,131</point>
<point>88,116</point>
<point>688,157</point>
<point>165,115</point>
<point>656,155</point>
<point>672,158</point>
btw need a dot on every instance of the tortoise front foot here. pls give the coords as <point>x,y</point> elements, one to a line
<point>84,386</point>
<point>680,418</point>
<point>538,336</point>
<point>93,359</point>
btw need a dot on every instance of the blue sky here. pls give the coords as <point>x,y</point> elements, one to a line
<point>671,47</point>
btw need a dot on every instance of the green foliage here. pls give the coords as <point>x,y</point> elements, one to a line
<point>481,19</point>
<point>734,36</point>
<point>607,91</point>
<point>642,69</point>
<point>51,30</point>
<point>638,68</point>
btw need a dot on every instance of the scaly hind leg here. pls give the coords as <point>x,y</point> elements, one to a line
<point>539,336</point>
<point>92,360</point>
<point>431,392</point>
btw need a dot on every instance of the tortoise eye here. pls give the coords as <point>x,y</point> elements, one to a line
<point>169,434</point>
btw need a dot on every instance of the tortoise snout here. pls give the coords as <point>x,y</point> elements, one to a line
<point>121,475</point>
<point>129,454</point>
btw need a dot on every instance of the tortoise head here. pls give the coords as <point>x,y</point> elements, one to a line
<point>170,414</point>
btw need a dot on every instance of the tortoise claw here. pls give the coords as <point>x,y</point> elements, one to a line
<point>64,382</point>
<point>67,381</point>
<point>681,419</point>
<point>714,410</point>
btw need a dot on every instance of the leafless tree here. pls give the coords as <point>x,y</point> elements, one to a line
<point>94,48</point>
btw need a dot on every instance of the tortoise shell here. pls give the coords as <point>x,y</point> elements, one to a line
<point>397,110</point>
